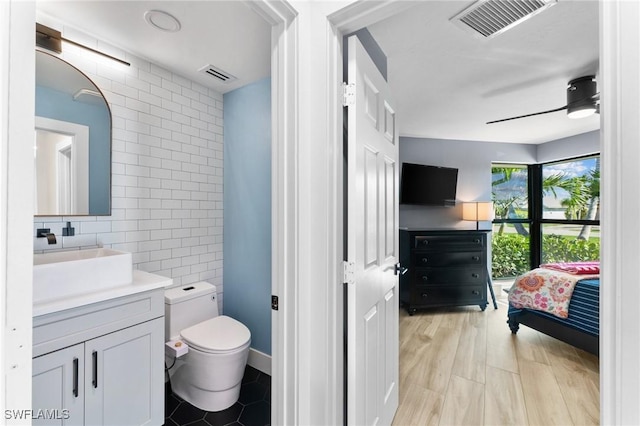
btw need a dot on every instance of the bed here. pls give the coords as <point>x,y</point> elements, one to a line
<point>576,324</point>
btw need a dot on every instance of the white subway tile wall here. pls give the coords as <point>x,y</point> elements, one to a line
<point>167,172</point>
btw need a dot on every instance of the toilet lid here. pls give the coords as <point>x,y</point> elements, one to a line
<point>219,334</point>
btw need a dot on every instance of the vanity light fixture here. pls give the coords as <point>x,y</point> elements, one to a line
<point>162,21</point>
<point>50,39</point>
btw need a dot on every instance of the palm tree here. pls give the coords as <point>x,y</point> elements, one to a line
<point>593,211</point>
<point>577,203</point>
<point>504,205</point>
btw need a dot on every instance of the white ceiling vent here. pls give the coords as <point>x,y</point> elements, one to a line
<point>222,76</point>
<point>488,18</point>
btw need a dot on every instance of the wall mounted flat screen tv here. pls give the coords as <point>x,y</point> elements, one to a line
<point>428,185</point>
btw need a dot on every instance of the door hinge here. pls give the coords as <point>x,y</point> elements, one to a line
<point>348,94</point>
<point>274,302</point>
<point>349,272</point>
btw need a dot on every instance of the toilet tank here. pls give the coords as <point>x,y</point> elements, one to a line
<point>188,305</point>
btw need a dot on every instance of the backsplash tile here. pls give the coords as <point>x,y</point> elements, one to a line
<point>166,172</point>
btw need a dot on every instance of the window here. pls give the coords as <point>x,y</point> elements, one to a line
<point>570,219</point>
<point>511,245</point>
<point>545,213</point>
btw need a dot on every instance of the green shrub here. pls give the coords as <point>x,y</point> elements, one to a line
<point>510,252</point>
<point>509,255</point>
<point>559,248</point>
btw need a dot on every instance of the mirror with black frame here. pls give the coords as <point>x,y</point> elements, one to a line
<point>73,142</point>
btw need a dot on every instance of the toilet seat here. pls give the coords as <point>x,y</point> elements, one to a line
<point>221,334</point>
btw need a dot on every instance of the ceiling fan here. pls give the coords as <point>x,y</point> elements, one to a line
<point>582,100</point>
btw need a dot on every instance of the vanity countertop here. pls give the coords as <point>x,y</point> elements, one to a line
<point>142,281</point>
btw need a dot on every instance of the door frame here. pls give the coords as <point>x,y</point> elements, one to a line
<point>79,146</point>
<point>619,38</point>
<point>284,117</point>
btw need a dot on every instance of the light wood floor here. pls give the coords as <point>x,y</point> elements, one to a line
<point>462,366</point>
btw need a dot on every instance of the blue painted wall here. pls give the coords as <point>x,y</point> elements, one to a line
<point>247,210</point>
<point>61,106</point>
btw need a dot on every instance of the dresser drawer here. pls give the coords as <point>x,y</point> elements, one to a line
<point>449,276</point>
<point>430,259</point>
<point>446,268</point>
<point>448,242</point>
<point>446,295</point>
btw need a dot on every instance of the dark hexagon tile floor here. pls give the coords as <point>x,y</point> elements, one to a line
<point>252,409</point>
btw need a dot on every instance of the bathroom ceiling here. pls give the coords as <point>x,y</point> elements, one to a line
<point>447,83</point>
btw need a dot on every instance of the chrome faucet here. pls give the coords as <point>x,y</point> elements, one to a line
<point>46,233</point>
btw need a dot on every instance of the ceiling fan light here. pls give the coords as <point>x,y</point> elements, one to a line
<point>581,94</point>
<point>581,111</point>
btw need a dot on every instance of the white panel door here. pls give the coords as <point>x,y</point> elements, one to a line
<point>372,244</point>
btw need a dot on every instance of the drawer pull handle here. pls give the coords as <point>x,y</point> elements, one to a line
<point>476,258</point>
<point>425,260</point>
<point>75,377</point>
<point>476,292</point>
<point>425,278</point>
<point>474,275</point>
<point>425,242</point>
<point>477,241</point>
<point>94,382</point>
<point>424,295</point>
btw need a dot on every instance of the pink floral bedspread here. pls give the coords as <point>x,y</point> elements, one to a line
<point>545,290</point>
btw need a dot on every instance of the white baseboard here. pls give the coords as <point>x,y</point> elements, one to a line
<point>259,361</point>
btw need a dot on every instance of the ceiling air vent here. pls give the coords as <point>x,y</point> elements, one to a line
<point>488,18</point>
<point>222,76</point>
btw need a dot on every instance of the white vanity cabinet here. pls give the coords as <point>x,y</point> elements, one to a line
<point>121,376</point>
<point>58,381</point>
<point>101,364</point>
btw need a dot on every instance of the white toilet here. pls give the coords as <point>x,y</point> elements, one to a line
<point>210,374</point>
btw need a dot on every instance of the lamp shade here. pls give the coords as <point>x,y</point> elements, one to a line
<point>477,210</point>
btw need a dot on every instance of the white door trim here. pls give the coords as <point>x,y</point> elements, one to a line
<point>79,163</point>
<point>17,136</point>
<point>620,250</point>
<point>284,230</point>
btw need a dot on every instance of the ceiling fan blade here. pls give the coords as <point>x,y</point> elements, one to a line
<point>528,115</point>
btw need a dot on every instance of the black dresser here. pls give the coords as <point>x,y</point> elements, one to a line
<point>445,268</point>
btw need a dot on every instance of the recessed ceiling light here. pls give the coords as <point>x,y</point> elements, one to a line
<point>162,21</point>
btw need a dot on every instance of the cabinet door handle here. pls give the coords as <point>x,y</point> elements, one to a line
<point>424,295</point>
<point>94,382</point>
<point>476,258</point>
<point>425,242</point>
<point>425,278</point>
<point>75,377</point>
<point>474,275</point>
<point>425,260</point>
<point>476,292</point>
<point>477,241</point>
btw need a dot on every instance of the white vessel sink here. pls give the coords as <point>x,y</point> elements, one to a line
<point>73,273</point>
